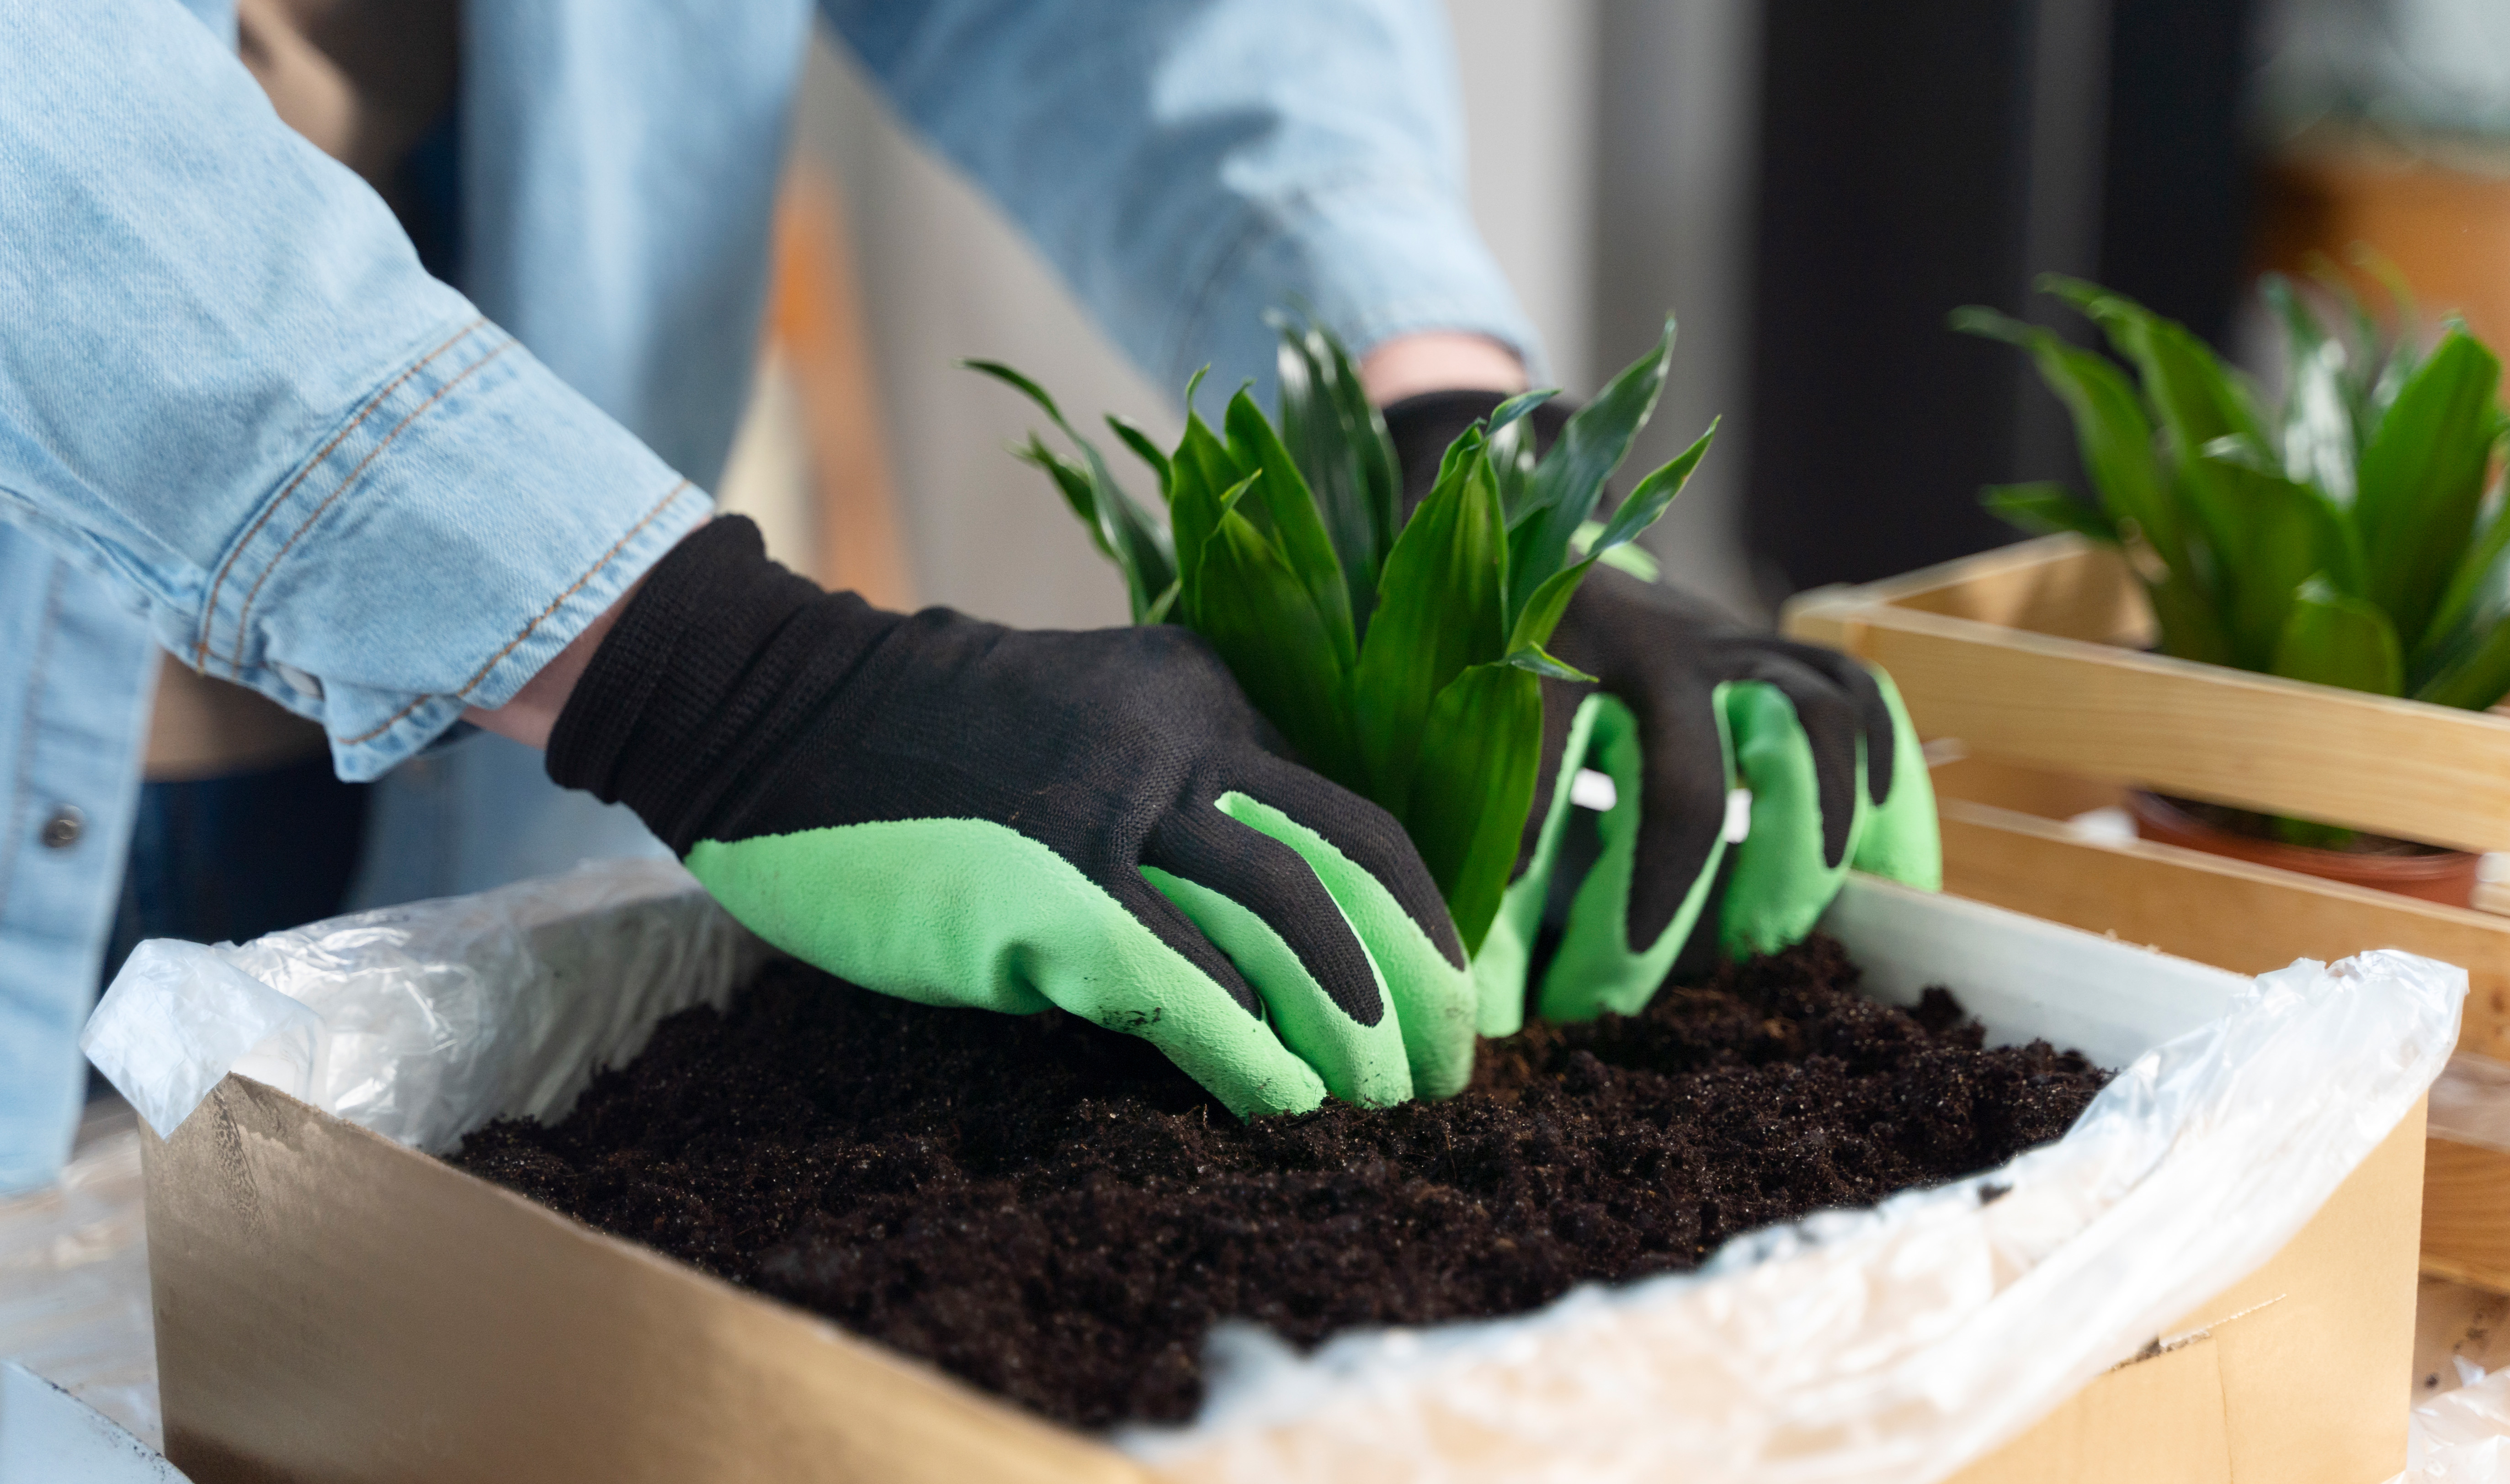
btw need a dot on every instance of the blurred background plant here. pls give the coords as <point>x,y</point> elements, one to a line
<point>2343,537</point>
<point>2353,535</point>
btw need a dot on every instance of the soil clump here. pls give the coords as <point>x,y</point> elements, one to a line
<point>1053,1213</point>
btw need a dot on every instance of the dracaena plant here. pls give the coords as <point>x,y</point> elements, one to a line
<point>1398,656</point>
<point>2345,537</point>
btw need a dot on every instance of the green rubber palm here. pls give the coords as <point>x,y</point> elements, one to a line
<point>1688,708</point>
<point>965,814</point>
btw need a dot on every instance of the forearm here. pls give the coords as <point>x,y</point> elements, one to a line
<point>317,466</point>
<point>1438,361</point>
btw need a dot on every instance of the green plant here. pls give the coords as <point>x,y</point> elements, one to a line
<point>2344,538</point>
<point>1399,657</point>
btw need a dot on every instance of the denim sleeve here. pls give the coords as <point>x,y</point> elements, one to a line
<point>226,383</point>
<point>1188,165</point>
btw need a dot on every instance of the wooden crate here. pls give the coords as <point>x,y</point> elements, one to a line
<point>2031,659</point>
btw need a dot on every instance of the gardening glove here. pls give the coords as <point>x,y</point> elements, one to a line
<point>1686,704</point>
<point>961,814</point>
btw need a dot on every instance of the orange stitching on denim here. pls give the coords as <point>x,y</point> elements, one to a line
<point>244,615</point>
<point>210,610</point>
<point>496,659</point>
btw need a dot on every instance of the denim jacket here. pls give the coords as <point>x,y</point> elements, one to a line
<point>240,424</point>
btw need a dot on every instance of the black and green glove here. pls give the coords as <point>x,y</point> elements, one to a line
<point>962,813</point>
<point>1686,706</point>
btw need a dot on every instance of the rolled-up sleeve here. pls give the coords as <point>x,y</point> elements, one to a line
<point>1188,165</point>
<point>226,382</point>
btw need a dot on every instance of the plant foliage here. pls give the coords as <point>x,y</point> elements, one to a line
<point>1399,654</point>
<point>2350,537</point>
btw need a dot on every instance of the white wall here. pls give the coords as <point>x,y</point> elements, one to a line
<point>945,278</point>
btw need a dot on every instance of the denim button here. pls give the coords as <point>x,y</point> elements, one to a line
<point>64,828</point>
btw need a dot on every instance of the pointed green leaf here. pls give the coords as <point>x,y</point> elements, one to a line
<point>1258,616</point>
<point>1296,525</point>
<point>1570,478</point>
<point>1637,561</point>
<point>1655,494</point>
<point>2281,534</point>
<point>1506,415</point>
<point>1339,442</point>
<point>1543,663</point>
<point>2045,506</point>
<point>1195,510</point>
<point>1020,384</point>
<point>2191,628</point>
<point>1138,543</point>
<point>2421,480</point>
<point>1440,609</point>
<point>1073,481</point>
<point>1134,438</point>
<point>2479,591</point>
<point>1203,450</point>
<point>1510,451</point>
<point>1542,612</point>
<point>1481,746</point>
<point>2110,429</point>
<point>2194,398</point>
<point>1509,437</point>
<point>2335,639</point>
<point>2319,405</point>
<point>2477,678</point>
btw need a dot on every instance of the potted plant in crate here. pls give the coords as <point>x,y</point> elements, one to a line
<point>2342,538</point>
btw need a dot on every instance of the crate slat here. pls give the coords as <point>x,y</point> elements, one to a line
<point>2098,710</point>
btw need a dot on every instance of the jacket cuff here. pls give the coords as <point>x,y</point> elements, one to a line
<point>455,531</point>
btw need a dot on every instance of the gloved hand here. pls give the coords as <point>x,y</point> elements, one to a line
<point>1688,705</point>
<point>961,814</point>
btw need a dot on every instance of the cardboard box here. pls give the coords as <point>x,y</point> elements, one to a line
<point>2031,659</point>
<point>333,1306</point>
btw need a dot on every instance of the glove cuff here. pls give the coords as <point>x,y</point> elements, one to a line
<point>687,684</point>
<point>1421,427</point>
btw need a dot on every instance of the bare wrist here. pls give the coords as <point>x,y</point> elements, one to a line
<point>1438,361</point>
<point>534,709</point>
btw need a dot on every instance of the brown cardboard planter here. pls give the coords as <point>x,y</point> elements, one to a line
<point>2030,659</point>
<point>331,1305</point>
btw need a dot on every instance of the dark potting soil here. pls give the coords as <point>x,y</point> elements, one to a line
<point>1053,1213</point>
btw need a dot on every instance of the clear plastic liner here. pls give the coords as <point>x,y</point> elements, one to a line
<point>1892,1343</point>
<point>2470,1104</point>
<point>2462,1436</point>
<point>1895,1343</point>
<point>423,1021</point>
<point>74,1277</point>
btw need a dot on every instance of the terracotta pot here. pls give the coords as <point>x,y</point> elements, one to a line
<point>2447,877</point>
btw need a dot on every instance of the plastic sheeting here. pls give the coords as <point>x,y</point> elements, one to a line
<point>424,1022</point>
<point>49,1437</point>
<point>74,1277</point>
<point>1897,1343</point>
<point>1894,1344</point>
<point>2461,1437</point>
<point>2470,1104</point>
